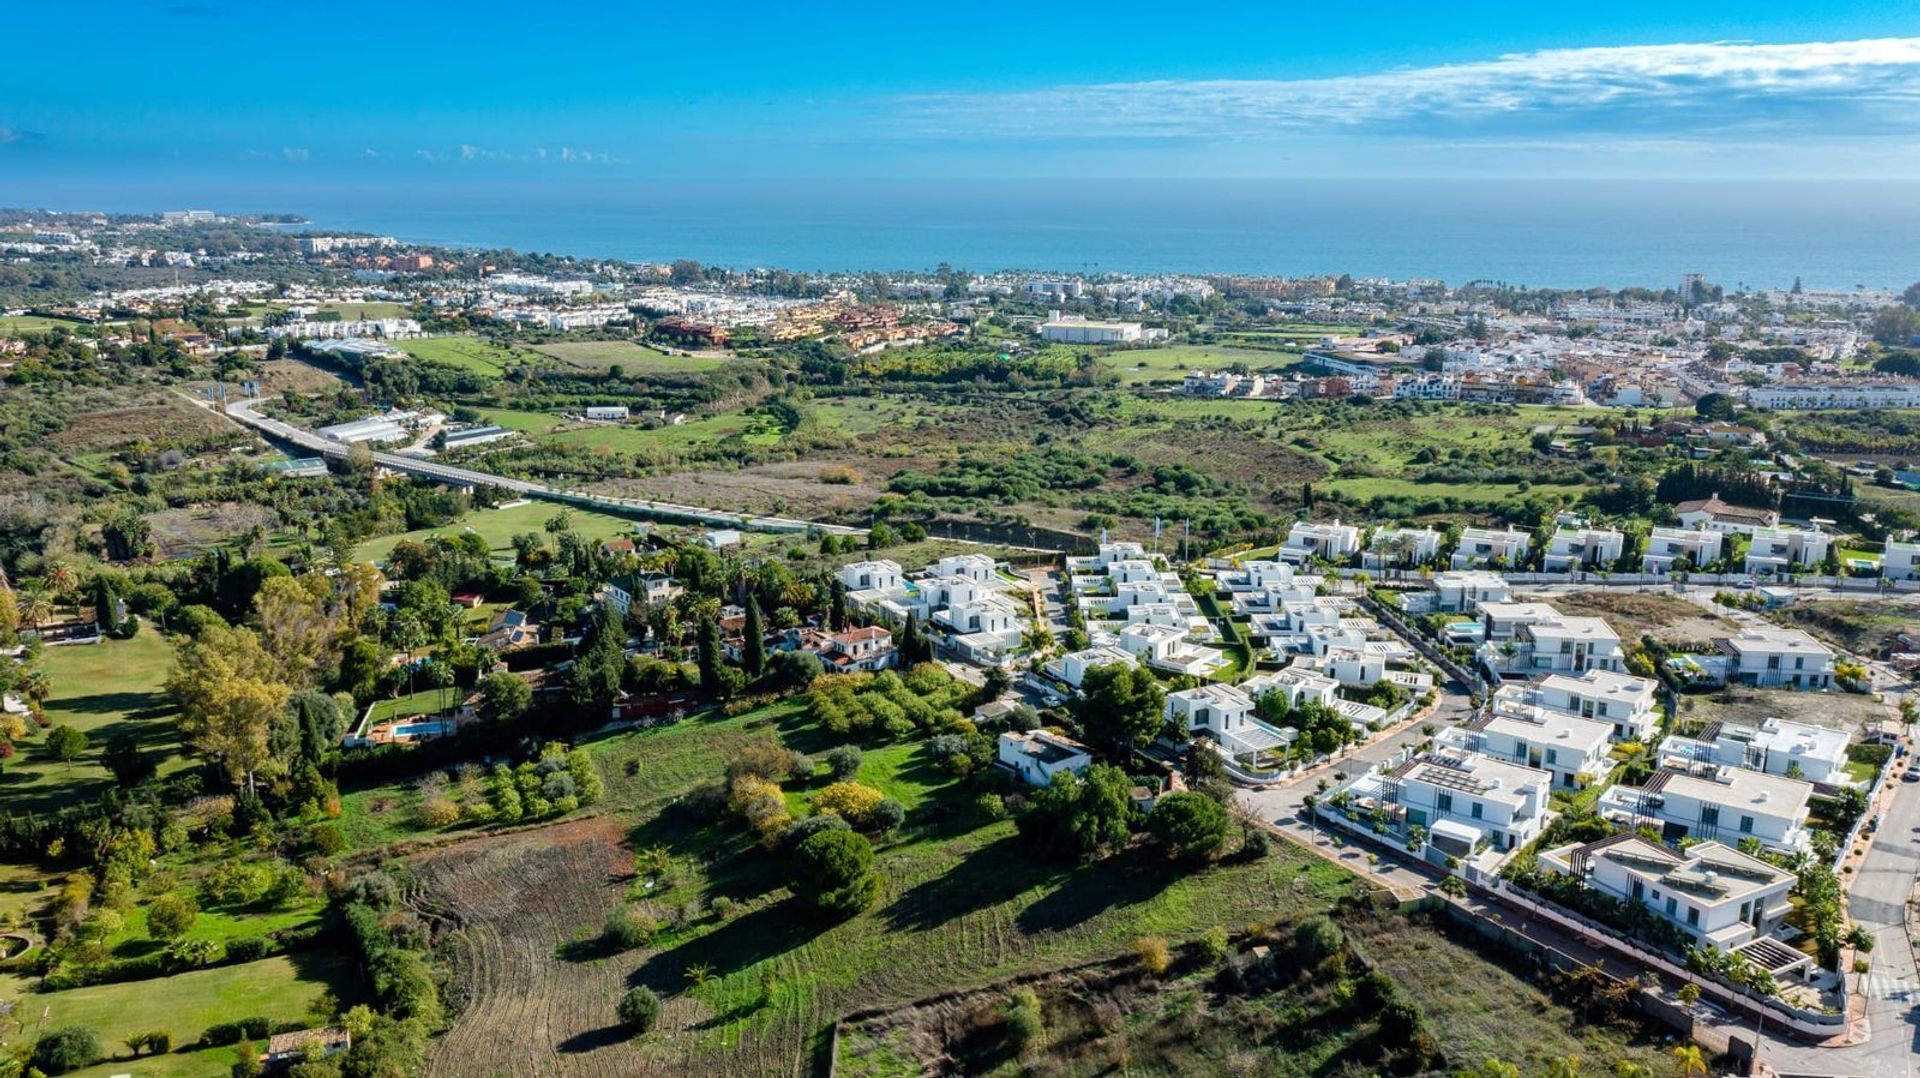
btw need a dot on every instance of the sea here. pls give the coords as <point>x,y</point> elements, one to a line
<point>1543,233</point>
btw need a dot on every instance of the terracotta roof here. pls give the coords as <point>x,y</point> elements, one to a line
<point>1718,509</point>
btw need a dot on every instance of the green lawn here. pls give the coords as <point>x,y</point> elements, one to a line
<point>358,312</point>
<point>19,324</point>
<point>499,526</point>
<point>102,690</point>
<point>280,989</point>
<point>467,353</point>
<point>1172,363</point>
<point>635,358</point>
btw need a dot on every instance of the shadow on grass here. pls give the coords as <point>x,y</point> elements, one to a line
<point>1123,879</point>
<point>993,874</point>
<point>765,933</point>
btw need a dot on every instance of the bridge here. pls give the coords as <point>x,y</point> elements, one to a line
<point>242,411</point>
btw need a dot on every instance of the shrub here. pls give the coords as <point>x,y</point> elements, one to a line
<point>171,916</point>
<point>67,1049</point>
<point>225,1033</point>
<point>1317,939</point>
<point>626,929</point>
<point>851,801</point>
<point>888,815</point>
<point>639,1009</point>
<point>248,949</point>
<point>833,871</point>
<point>800,830</point>
<point>327,840</point>
<point>1214,944</point>
<point>1026,1023</point>
<point>436,812</point>
<point>1154,954</point>
<point>990,807</point>
<point>1190,825</point>
<point>843,763</point>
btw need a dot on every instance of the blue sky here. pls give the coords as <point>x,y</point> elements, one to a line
<point>113,98</point>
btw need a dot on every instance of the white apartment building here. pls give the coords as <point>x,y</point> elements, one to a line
<point>1728,803</point>
<point>1665,546</point>
<point>1859,395</point>
<point>1400,548</point>
<point>1717,895</point>
<point>1334,542</point>
<point>1777,657</point>
<point>1573,549</point>
<point>1774,550</point>
<point>1483,546</point>
<point>1902,561</point>
<point>1777,746</point>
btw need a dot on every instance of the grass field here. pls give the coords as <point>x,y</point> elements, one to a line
<point>635,358</point>
<point>499,526</point>
<point>467,353</point>
<point>356,312</point>
<point>102,690</point>
<point>1171,364</point>
<point>280,989</point>
<point>19,324</point>
<point>617,438</point>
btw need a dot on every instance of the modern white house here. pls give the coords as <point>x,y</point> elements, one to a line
<point>1665,546</point>
<point>1728,803</point>
<point>1333,542</point>
<point>1108,553</point>
<point>1502,620</point>
<point>606,411</point>
<point>1573,549</point>
<point>1623,701</point>
<point>1463,591</point>
<point>975,567</point>
<point>1038,755</point>
<point>1572,749</point>
<point>1400,548</point>
<point>1901,561</point>
<point>1712,514</point>
<point>1721,898</point>
<point>1776,657</point>
<point>1167,648</point>
<point>1484,546</point>
<point>1297,684</point>
<point>1226,713</point>
<point>1463,799</point>
<point>1072,667</point>
<point>1776,746</point>
<point>1775,550</point>
<point>882,575</point>
<point>1561,644</point>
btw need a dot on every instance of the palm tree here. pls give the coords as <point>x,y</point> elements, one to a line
<point>1627,1068</point>
<point>1688,1058</point>
<point>60,579</point>
<point>37,609</point>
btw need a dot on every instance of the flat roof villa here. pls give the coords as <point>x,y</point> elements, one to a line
<point>1729,803</point>
<point>1463,799</point>
<point>1776,746</point>
<point>1777,657</point>
<point>1227,713</point>
<point>1038,755</point>
<point>1714,894</point>
<point>1572,749</point>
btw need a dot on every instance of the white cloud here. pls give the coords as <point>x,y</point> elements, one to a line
<point>295,153</point>
<point>1705,92</point>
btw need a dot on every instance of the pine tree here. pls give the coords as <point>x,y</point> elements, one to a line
<point>910,640</point>
<point>707,646</point>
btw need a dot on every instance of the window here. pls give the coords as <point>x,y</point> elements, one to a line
<point>1746,825</point>
<point>1693,915</point>
<point>1475,810</point>
<point>1710,815</point>
<point>1445,802</point>
<point>1746,910</point>
<point>1553,756</point>
<point>1671,905</point>
<point>1639,889</point>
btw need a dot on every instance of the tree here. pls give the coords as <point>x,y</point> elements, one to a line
<point>639,1009</point>
<point>1190,825</point>
<point>1317,939</point>
<point>1690,1061</point>
<point>1119,707</point>
<point>1714,406</point>
<point>753,648</point>
<point>1080,816</point>
<point>843,762</point>
<point>66,743</point>
<point>67,1049</point>
<point>171,916</point>
<point>833,872</point>
<point>129,765</point>
<point>1894,325</point>
<point>504,697</point>
<point>707,654</point>
<point>229,692</point>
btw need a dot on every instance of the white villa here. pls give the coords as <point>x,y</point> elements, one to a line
<point>1700,546</point>
<point>1227,713</point>
<point>1400,548</point>
<point>1712,514</point>
<point>1776,746</point>
<point>963,595</point>
<point>1466,590</point>
<point>1482,546</point>
<point>1717,895</point>
<point>1902,560</point>
<point>1072,667</point>
<point>1557,644</point>
<point>1777,657</point>
<point>1167,648</point>
<point>1463,799</point>
<point>1729,803</point>
<point>1572,749</point>
<point>1504,619</point>
<point>1775,550</point>
<point>1334,542</point>
<point>1582,548</point>
<point>1622,701</point>
<point>883,575</point>
<point>1037,756</point>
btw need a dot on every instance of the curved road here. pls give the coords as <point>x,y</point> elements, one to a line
<point>242,411</point>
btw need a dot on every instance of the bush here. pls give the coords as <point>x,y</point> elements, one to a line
<point>843,763</point>
<point>639,1009</point>
<point>248,949</point>
<point>67,1049</point>
<point>1318,939</point>
<point>888,815</point>
<point>1190,825</point>
<point>833,871</point>
<point>171,916</point>
<point>1214,944</point>
<point>851,801</point>
<point>436,812</point>
<point>1026,1023</point>
<point>225,1033</point>
<point>626,929</point>
<point>1154,954</point>
<point>327,840</point>
<point>801,830</point>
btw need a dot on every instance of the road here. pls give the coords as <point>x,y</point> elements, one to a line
<point>242,411</point>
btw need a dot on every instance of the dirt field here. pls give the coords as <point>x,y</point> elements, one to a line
<point>279,375</point>
<point>112,428</point>
<point>1666,618</point>
<point>180,533</point>
<point>1862,627</point>
<point>791,487</point>
<point>1833,710</point>
<point>508,903</point>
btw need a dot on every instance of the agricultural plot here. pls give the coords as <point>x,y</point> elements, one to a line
<point>750,985</point>
<point>635,358</point>
<point>18,325</point>
<point>181,533</point>
<point>467,353</point>
<point>499,526</point>
<point>1167,366</point>
<point>103,690</point>
<point>626,438</point>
